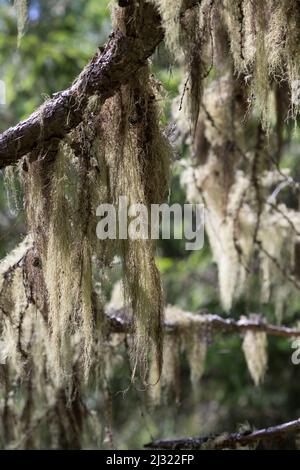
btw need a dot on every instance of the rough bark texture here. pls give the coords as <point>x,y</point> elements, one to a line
<point>106,72</point>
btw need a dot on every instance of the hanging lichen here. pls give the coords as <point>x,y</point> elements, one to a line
<point>11,181</point>
<point>235,184</point>
<point>189,337</point>
<point>170,11</point>
<point>31,399</point>
<point>165,386</point>
<point>255,350</point>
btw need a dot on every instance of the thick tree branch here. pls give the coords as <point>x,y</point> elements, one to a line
<point>121,58</point>
<point>228,441</point>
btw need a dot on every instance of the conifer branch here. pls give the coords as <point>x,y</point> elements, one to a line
<point>228,441</point>
<point>112,66</point>
<point>118,320</point>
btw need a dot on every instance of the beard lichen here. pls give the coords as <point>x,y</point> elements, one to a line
<point>263,39</point>
<point>59,227</point>
<point>189,338</point>
<point>137,157</point>
<point>21,7</point>
<point>124,154</point>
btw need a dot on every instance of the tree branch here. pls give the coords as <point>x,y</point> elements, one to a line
<point>176,320</point>
<point>119,322</point>
<point>114,66</point>
<point>225,441</point>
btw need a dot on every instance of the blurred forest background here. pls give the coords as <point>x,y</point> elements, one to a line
<point>60,37</point>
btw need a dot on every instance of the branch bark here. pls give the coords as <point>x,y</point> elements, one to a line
<point>110,68</point>
<point>227,441</point>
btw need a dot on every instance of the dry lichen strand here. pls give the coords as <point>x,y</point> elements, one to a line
<point>234,225</point>
<point>137,158</point>
<point>11,182</point>
<point>283,55</point>
<point>61,200</point>
<point>132,160</point>
<point>189,39</point>
<point>170,11</point>
<point>137,167</point>
<point>67,267</point>
<point>260,46</point>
